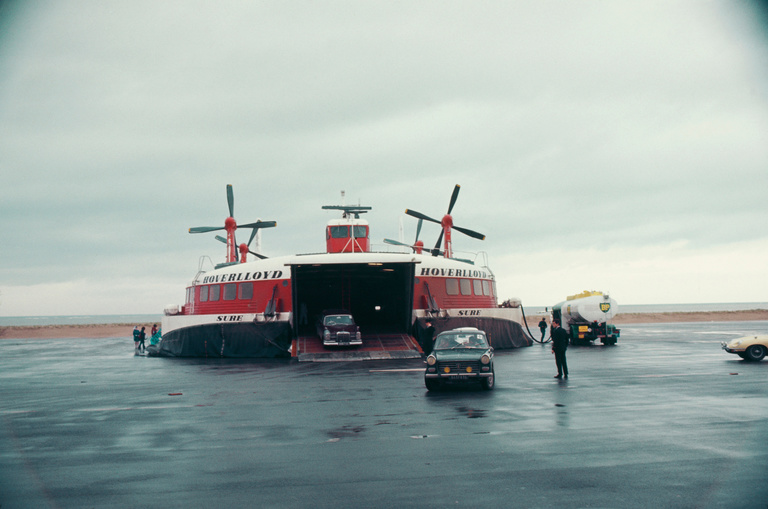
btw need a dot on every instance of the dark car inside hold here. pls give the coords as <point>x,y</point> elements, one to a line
<point>338,328</point>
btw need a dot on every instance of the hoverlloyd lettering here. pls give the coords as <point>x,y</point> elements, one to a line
<point>240,276</point>
<point>426,271</point>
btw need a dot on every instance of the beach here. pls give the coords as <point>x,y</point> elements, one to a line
<point>125,330</point>
<point>85,331</point>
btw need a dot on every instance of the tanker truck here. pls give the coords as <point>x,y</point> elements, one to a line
<point>585,316</point>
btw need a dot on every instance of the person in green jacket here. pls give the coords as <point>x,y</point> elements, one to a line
<point>136,334</point>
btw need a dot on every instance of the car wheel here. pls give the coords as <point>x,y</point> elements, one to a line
<point>490,382</point>
<point>432,385</point>
<point>755,353</point>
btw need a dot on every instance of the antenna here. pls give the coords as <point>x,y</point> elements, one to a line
<point>348,210</point>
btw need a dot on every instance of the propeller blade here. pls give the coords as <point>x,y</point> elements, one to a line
<point>204,229</point>
<point>397,243</point>
<point>453,197</point>
<point>437,245</point>
<point>471,233</point>
<point>420,216</point>
<point>256,226</point>
<point>259,224</point>
<point>418,230</point>
<point>231,200</point>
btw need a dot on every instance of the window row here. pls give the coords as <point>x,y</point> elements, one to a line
<point>481,287</point>
<point>227,291</point>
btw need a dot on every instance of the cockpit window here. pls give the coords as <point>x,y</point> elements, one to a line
<point>339,232</point>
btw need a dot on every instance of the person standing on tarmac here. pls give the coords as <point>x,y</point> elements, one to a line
<point>142,337</point>
<point>428,337</point>
<point>136,335</point>
<point>543,328</point>
<point>559,346</point>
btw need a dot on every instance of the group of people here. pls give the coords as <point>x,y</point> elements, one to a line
<point>559,345</point>
<point>139,336</point>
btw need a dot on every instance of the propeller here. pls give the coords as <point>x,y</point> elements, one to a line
<point>230,225</point>
<point>416,246</point>
<point>257,255</point>
<point>447,224</point>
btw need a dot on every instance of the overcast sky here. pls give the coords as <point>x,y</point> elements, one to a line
<point>600,145</point>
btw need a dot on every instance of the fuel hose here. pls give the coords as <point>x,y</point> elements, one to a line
<point>529,330</point>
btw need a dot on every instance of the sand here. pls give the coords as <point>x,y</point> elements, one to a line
<point>697,316</point>
<point>89,331</point>
<point>123,330</point>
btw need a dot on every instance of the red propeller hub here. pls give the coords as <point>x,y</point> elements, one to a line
<point>230,224</point>
<point>447,221</point>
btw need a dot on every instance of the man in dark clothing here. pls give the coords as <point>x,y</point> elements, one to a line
<point>559,346</point>
<point>429,337</point>
<point>142,337</point>
<point>543,328</point>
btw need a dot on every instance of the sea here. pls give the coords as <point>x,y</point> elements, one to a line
<point>79,319</point>
<point>532,310</point>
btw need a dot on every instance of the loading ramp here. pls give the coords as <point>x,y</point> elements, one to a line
<point>374,347</point>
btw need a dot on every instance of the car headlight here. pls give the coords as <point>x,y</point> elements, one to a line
<point>326,334</point>
<point>431,360</point>
<point>736,343</point>
<point>485,359</point>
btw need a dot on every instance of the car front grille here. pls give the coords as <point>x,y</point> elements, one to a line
<point>458,366</point>
<point>342,336</point>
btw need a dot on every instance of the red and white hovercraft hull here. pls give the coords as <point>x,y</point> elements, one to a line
<point>267,307</point>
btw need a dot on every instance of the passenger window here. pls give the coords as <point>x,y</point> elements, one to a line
<point>360,232</point>
<point>486,288</point>
<point>246,291</point>
<point>214,293</point>
<point>478,286</point>
<point>466,286</point>
<point>204,293</point>
<point>230,291</point>
<point>452,286</point>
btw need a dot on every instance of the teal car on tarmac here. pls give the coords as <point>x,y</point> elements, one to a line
<point>460,356</point>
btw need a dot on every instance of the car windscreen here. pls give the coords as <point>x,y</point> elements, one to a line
<point>464,340</point>
<point>338,320</point>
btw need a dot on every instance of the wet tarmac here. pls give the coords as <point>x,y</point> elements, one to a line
<point>664,419</point>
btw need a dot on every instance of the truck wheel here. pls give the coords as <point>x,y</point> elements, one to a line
<point>489,383</point>
<point>755,353</point>
<point>432,385</point>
